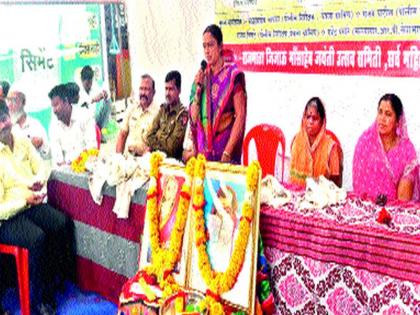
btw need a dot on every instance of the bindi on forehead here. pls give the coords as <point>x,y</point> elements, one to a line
<point>312,111</point>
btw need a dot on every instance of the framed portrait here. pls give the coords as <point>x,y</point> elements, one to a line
<point>171,179</point>
<point>225,193</point>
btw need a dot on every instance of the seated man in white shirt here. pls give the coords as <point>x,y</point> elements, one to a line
<point>91,94</point>
<point>27,126</point>
<point>72,130</point>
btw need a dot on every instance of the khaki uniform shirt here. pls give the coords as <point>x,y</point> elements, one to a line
<point>138,122</point>
<point>168,130</point>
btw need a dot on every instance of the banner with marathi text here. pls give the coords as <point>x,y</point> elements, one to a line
<point>329,37</point>
<point>44,45</point>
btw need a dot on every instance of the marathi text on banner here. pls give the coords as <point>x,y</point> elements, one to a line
<point>376,58</point>
<point>344,37</point>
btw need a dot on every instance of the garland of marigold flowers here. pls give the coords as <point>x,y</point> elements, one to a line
<point>78,165</point>
<point>164,259</point>
<point>221,282</point>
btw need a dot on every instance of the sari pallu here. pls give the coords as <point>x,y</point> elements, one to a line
<point>217,114</point>
<point>378,172</point>
<point>320,158</point>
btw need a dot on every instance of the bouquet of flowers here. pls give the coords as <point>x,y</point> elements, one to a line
<point>79,164</point>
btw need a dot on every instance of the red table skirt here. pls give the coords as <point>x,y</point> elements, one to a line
<point>98,271</point>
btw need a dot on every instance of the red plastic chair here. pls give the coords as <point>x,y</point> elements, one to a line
<point>98,136</point>
<point>22,267</point>
<point>267,140</point>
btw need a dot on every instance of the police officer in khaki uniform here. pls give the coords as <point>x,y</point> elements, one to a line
<point>168,129</point>
<point>138,120</point>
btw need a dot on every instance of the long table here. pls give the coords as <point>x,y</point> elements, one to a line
<point>107,247</point>
<point>337,260</point>
<point>340,260</point>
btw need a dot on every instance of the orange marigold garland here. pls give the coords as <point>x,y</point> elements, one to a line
<point>79,164</point>
<point>221,282</point>
<point>164,259</point>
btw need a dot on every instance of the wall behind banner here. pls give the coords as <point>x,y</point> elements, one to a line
<point>165,36</point>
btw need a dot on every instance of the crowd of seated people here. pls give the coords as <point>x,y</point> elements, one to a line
<point>213,124</point>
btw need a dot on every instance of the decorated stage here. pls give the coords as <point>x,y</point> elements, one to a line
<point>337,260</point>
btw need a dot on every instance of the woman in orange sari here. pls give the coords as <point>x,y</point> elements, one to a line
<point>314,151</point>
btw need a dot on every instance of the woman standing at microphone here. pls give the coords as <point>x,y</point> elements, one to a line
<point>217,104</point>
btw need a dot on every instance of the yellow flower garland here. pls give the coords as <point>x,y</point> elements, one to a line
<point>164,259</point>
<point>221,282</point>
<point>79,164</point>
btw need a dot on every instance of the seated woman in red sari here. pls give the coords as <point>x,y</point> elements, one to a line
<point>218,104</point>
<point>384,153</point>
<point>314,151</point>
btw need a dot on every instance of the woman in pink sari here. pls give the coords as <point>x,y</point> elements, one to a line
<point>384,153</point>
<point>218,104</point>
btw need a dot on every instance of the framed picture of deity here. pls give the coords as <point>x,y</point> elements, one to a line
<point>224,233</point>
<point>167,209</point>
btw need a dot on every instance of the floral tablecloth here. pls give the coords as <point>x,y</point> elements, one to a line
<point>340,260</point>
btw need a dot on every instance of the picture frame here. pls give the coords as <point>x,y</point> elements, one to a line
<point>171,180</point>
<point>225,193</point>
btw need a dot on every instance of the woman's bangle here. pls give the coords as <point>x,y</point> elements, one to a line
<point>196,100</point>
<point>225,153</point>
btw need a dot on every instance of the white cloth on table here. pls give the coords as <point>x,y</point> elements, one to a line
<point>273,193</point>
<point>97,179</point>
<point>321,194</point>
<point>126,173</point>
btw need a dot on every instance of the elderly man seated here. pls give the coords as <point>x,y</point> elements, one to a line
<point>26,222</point>
<point>25,125</point>
<point>138,120</point>
<point>73,130</point>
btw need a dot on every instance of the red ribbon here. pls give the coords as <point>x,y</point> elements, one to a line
<point>166,273</point>
<point>200,206</point>
<point>246,218</point>
<point>213,295</point>
<point>150,279</point>
<point>185,195</point>
<point>152,195</point>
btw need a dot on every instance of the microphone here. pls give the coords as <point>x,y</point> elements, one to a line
<point>203,65</point>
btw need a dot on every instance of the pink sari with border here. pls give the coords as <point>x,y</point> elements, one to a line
<point>376,171</point>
